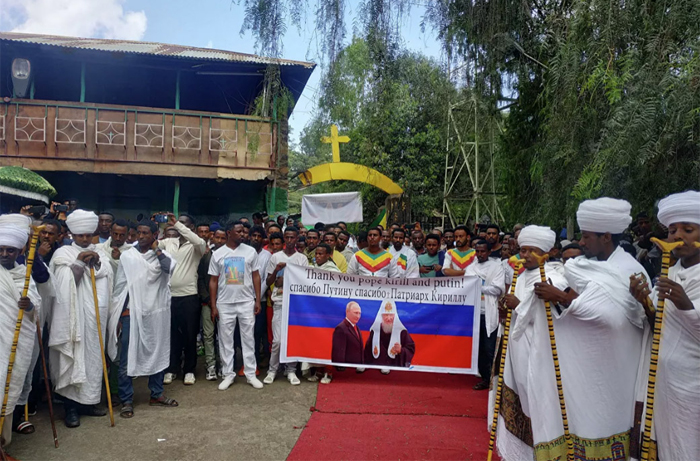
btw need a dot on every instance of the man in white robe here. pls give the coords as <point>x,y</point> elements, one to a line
<point>530,415</point>
<point>141,307</point>
<point>12,239</point>
<point>490,271</point>
<point>74,348</point>
<point>600,336</point>
<point>677,398</point>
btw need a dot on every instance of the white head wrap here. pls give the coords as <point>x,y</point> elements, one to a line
<point>541,237</point>
<point>12,235</point>
<point>82,222</point>
<point>387,307</point>
<point>681,207</point>
<point>17,219</point>
<point>604,215</point>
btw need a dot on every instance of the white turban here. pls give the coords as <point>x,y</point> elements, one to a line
<point>17,219</point>
<point>82,222</point>
<point>681,207</point>
<point>541,237</point>
<point>604,215</point>
<point>12,235</point>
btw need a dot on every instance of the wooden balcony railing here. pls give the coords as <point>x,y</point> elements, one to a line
<point>57,136</point>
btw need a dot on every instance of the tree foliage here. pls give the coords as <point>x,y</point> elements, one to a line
<point>395,122</point>
<point>607,94</point>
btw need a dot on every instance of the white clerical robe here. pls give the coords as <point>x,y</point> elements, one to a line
<point>492,276</point>
<point>74,347</point>
<point>141,277</point>
<point>530,413</point>
<point>11,286</point>
<point>677,398</point>
<point>599,341</point>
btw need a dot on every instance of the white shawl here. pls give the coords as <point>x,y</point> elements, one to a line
<point>492,274</point>
<point>74,307</point>
<point>141,277</point>
<point>11,285</point>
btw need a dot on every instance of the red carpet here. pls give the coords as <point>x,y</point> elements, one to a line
<point>401,416</point>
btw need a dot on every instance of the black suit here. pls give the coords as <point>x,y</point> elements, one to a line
<point>347,344</point>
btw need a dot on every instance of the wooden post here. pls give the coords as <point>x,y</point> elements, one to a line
<point>176,198</point>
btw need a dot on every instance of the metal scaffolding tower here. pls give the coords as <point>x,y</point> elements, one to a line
<point>470,185</point>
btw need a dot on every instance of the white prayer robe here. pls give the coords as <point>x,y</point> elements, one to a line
<point>599,341</point>
<point>677,398</point>
<point>148,286</point>
<point>11,286</point>
<point>528,376</point>
<point>74,347</point>
<point>492,274</point>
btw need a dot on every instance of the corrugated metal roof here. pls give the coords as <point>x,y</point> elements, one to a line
<point>151,48</point>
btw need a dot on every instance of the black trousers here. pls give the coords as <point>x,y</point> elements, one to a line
<point>185,314</point>
<point>262,345</point>
<point>487,349</point>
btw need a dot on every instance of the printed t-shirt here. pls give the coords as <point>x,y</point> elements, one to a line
<point>459,260</point>
<point>235,271</point>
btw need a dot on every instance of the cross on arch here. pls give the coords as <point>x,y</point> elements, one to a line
<point>334,140</point>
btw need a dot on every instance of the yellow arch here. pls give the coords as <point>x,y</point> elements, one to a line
<point>349,172</point>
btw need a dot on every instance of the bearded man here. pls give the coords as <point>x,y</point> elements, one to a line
<point>75,352</point>
<point>389,343</point>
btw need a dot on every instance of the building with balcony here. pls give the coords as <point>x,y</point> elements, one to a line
<point>138,127</point>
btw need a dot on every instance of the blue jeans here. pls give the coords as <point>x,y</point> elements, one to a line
<point>126,387</point>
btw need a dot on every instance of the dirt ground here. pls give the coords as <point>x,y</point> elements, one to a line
<point>240,423</point>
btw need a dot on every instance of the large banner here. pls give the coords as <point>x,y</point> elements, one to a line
<point>330,208</point>
<point>424,324</point>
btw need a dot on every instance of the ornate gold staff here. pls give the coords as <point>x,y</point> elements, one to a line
<point>18,325</point>
<point>666,248</point>
<point>102,345</point>
<point>557,372</point>
<point>501,363</point>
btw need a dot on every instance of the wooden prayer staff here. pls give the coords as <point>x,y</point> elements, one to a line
<point>46,383</point>
<point>18,325</point>
<point>502,361</point>
<point>666,248</point>
<point>557,372</point>
<point>102,346</point>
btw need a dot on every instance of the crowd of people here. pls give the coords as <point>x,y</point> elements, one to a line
<point>170,289</point>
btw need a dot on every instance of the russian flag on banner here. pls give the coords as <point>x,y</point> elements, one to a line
<point>435,320</point>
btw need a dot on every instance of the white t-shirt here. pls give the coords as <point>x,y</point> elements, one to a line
<point>235,271</point>
<point>297,258</point>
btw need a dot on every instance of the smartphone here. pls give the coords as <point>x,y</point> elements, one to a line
<point>60,208</point>
<point>161,218</point>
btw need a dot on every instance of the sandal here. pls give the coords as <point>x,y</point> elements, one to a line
<point>163,401</point>
<point>25,427</point>
<point>127,411</point>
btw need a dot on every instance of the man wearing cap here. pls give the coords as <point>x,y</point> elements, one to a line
<point>599,331</point>
<point>677,407</point>
<point>12,239</point>
<point>75,357</point>
<point>529,386</point>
